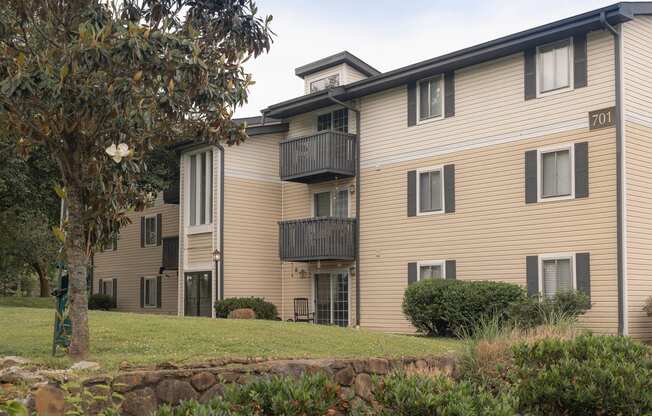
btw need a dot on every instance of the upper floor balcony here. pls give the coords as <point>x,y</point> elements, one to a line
<point>323,156</point>
<point>311,239</point>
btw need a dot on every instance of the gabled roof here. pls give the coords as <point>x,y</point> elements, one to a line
<point>614,14</point>
<point>344,57</point>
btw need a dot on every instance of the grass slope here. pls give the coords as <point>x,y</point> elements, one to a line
<point>149,339</point>
<point>27,302</point>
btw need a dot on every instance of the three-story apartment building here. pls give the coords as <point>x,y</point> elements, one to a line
<point>523,159</point>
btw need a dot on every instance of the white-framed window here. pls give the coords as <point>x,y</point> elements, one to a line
<point>430,190</point>
<point>333,203</point>
<point>110,245</point>
<point>430,101</point>
<point>556,273</point>
<point>337,120</point>
<point>556,172</point>
<point>199,171</point>
<point>555,67</point>
<point>150,292</point>
<point>431,269</point>
<point>151,233</point>
<point>330,81</point>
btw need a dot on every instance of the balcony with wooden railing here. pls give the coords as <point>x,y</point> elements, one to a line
<point>312,239</point>
<point>323,156</point>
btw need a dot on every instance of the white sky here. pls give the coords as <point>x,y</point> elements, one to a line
<point>383,35</point>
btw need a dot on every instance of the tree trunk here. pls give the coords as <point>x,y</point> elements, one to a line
<point>77,262</point>
<point>43,281</point>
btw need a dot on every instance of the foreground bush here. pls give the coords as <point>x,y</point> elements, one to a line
<point>100,302</point>
<point>421,394</point>
<point>311,394</point>
<point>453,307</point>
<point>263,309</point>
<point>589,375</point>
<point>537,311</point>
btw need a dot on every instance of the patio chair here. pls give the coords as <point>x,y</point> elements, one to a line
<point>302,311</point>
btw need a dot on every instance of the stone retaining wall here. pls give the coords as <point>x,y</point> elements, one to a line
<point>145,390</point>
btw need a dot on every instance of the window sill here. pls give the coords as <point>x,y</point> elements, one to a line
<point>422,214</point>
<point>199,229</point>
<point>429,120</point>
<point>556,198</point>
<point>554,92</point>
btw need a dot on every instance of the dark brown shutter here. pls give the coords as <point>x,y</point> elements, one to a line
<point>142,231</point>
<point>159,287</point>
<point>115,241</point>
<point>412,103</point>
<point>142,292</point>
<point>159,229</point>
<point>531,191</point>
<point>532,266</point>
<point>449,94</point>
<point>582,170</point>
<point>412,273</point>
<point>580,72</point>
<point>412,193</point>
<point>115,293</point>
<point>451,270</point>
<point>100,289</point>
<point>449,188</point>
<point>583,273</point>
<point>530,70</point>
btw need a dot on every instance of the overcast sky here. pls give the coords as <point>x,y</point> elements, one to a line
<point>385,34</point>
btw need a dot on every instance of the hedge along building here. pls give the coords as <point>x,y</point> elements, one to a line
<point>521,159</point>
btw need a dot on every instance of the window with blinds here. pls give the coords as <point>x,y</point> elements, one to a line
<point>431,271</point>
<point>557,275</point>
<point>556,173</point>
<point>431,191</point>
<point>554,66</point>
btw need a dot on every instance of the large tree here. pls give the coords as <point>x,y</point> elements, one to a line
<point>100,84</point>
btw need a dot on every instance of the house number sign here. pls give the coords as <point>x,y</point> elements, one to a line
<point>599,119</point>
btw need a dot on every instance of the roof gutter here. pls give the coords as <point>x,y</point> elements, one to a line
<point>620,249</point>
<point>357,202</point>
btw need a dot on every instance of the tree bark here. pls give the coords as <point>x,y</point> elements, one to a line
<point>77,262</point>
<point>43,281</point>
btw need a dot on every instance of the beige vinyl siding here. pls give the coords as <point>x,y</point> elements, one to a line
<point>492,230</point>
<point>199,249</point>
<point>252,209</point>
<point>637,55</point>
<point>352,74</point>
<point>131,261</point>
<point>489,109</point>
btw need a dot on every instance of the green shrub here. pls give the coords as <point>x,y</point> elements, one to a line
<point>100,302</point>
<point>549,311</point>
<point>312,394</point>
<point>589,375</point>
<point>453,307</point>
<point>417,394</point>
<point>263,309</point>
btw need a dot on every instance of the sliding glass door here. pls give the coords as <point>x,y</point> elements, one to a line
<point>332,298</point>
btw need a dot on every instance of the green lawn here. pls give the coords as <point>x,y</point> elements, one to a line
<point>148,339</point>
<point>27,302</point>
